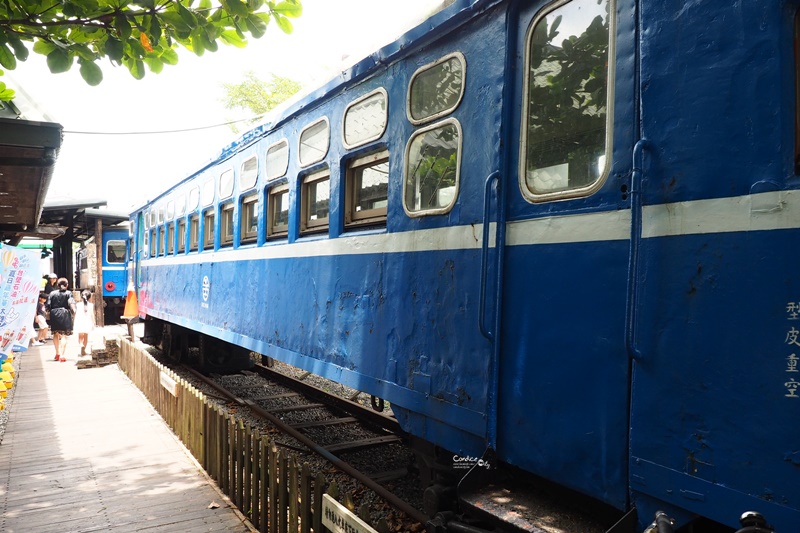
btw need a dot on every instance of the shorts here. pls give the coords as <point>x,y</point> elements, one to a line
<point>41,322</point>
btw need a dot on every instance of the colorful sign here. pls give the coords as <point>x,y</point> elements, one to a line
<point>19,291</point>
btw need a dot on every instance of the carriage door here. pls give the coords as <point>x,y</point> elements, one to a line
<point>563,368</point>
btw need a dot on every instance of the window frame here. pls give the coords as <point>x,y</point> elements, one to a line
<point>369,217</point>
<point>591,188</point>
<point>170,238</point>
<point>379,90</point>
<point>153,243</point>
<point>427,67</point>
<point>324,153</point>
<point>181,235</point>
<point>245,186</point>
<point>275,145</point>
<point>209,214</point>
<point>161,235</point>
<point>248,204</point>
<point>108,246</point>
<point>420,131</point>
<point>227,179</point>
<point>194,232</point>
<point>320,225</point>
<point>280,231</point>
<point>226,224</point>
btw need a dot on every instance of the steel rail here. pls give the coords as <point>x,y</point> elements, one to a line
<point>393,500</point>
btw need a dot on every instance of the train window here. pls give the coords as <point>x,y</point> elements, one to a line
<point>170,238</point>
<point>367,181</point>
<point>316,195</point>
<point>365,119</point>
<point>797,93</point>
<point>181,235</point>
<point>208,192</point>
<point>115,252</point>
<point>170,209</point>
<point>152,218</point>
<point>226,184</point>
<point>194,198</point>
<point>208,229</point>
<point>180,206</point>
<point>433,165</point>
<point>278,217</point>
<point>248,175</point>
<point>153,243</point>
<point>277,159</point>
<point>566,135</point>
<point>160,215</point>
<point>161,240</point>
<point>249,217</point>
<point>146,240</point>
<point>436,89</point>
<point>146,219</point>
<point>194,232</point>
<point>226,224</point>
<point>314,142</point>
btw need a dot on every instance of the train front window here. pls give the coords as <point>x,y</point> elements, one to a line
<point>367,190</point>
<point>115,252</point>
<point>433,161</point>
<point>566,140</point>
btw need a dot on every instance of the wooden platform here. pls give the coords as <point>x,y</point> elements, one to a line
<point>84,451</point>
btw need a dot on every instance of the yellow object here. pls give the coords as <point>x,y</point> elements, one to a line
<point>7,379</point>
<point>131,302</point>
<point>7,367</point>
<point>3,392</point>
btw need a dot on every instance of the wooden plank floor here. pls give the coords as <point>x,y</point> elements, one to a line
<point>84,451</point>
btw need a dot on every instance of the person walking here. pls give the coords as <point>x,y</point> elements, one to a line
<point>84,320</point>
<point>51,284</point>
<point>62,308</point>
<point>40,321</point>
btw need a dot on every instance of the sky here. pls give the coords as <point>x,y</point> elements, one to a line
<point>101,159</point>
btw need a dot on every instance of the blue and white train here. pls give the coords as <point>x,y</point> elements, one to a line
<point>567,232</point>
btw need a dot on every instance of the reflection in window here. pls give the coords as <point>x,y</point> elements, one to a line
<point>367,189</point>
<point>277,159</point>
<point>365,119</point>
<point>226,225</point>
<point>115,252</point>
<point>249,218</point>
<point>314,142</point>
<point>278,218</point>
<point>436,89</point>
<point>316,196</point>
<point>566,98</point>
<point>432,168</point>
<point>248,174</point>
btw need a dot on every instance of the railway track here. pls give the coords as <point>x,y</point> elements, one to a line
<point>341,431</point>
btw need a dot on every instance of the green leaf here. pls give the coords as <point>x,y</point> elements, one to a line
<point>256,26</point>
<point>236,7</point>
<point>187,16</point>
<point>58,61</point>
<point>7,59</point>
<point>155,29</point>
<point>169,56</point>
<point>123,26</point>
<point>90,72</point>
<point>136,68</point>
<point>114,49</point>
<point>234,38</point>
<point>289,8</point>
<point>43,47</point>
<point>6,95</point>
<point>284,24</point>
<point>19,49</point>
<point>197,43</point>
<point>155,64</point>
<point>171,18</point>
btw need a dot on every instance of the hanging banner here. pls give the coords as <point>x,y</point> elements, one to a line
<point>19,292</point>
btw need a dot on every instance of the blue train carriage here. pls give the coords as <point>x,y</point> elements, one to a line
<point>561,231</point>
<point>115,268</point>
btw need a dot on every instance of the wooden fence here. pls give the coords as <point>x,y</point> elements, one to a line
<point>269,487</point>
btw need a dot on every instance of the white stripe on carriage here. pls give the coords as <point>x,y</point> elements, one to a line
<point>764,211</point>
<point>757,212</point>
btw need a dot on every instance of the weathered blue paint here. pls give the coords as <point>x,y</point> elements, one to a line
<point>649,371</point>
